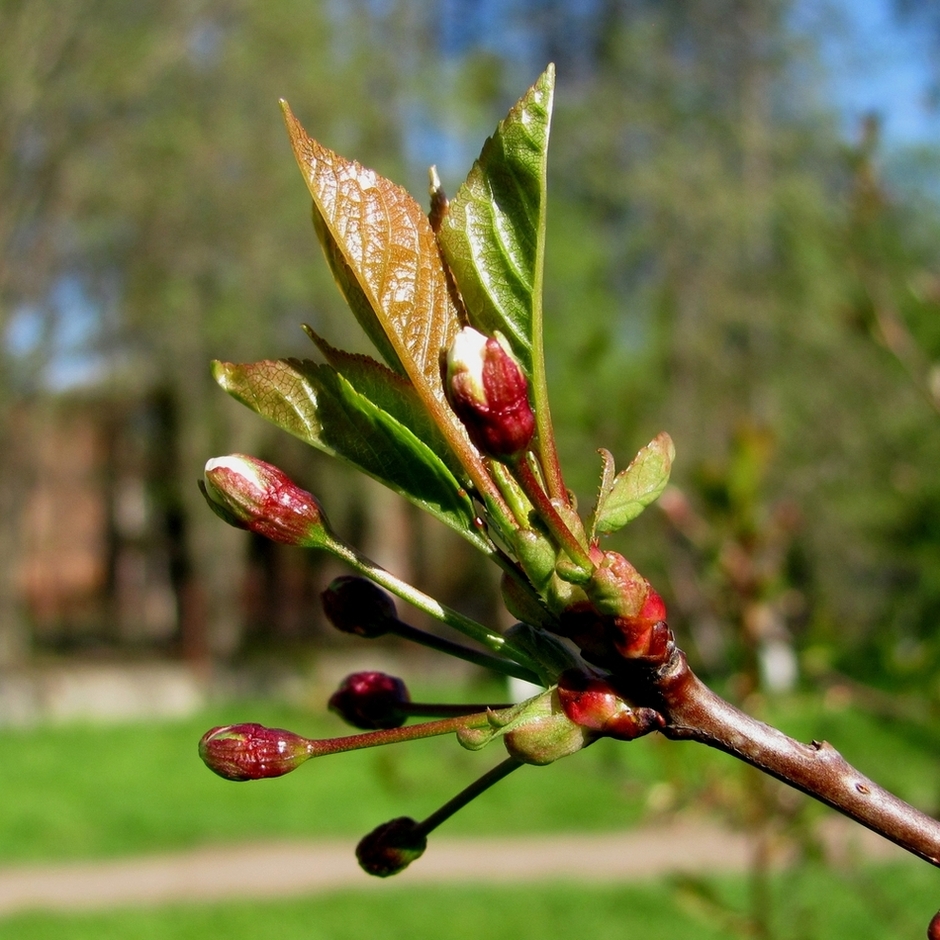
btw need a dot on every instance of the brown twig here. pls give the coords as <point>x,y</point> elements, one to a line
<point>692,712</point>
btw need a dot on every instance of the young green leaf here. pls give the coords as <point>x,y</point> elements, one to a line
<point>386,258</point>
<point>603,489</point>
<point>633,489</point>
<point>493,232</point>
<point>318,405</point>
<point>493,239</point>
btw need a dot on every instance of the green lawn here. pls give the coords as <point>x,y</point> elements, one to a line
<point>82,791</point>
<point>816,904</point>
<point>78,792</point>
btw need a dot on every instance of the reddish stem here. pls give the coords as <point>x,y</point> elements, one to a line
<point>549,514</point>
<point>354,742</point>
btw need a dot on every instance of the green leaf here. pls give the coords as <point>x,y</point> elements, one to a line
<point>633,489</point>
<point>493,239</point>
<point>494,231</point>
<point>391,392</point>
<point>603,489</point>
<point>318,405</point>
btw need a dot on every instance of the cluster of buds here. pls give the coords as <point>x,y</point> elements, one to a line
<point>563,587</point>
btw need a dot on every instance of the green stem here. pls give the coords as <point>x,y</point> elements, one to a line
<point>470,793</point>
<point>478,657</point>
<point>476,631</point>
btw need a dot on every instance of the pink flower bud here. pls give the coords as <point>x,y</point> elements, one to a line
<point>355,605</point>
<point>252,752</point>
<point>489,392</point>
<point>391,847</point>
<point>371,700</point>
<point>592,703</point>
<point>251,494</point>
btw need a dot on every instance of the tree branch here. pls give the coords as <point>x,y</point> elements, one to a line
<point>693,712</point>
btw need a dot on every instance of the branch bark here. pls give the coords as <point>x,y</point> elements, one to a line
<point>693,712</point>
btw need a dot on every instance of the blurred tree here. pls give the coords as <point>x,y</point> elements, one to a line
<point>701,265</point>
<point>707,264</point>
<point>149,166</point>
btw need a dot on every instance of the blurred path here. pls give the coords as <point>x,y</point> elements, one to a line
<point>265,870</point>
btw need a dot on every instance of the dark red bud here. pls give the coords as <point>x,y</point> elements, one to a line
<point>371,700</point>
<point>592,703</point>
<point>356,605</point>
<point>253,752</point>
<point>391,847</point>
<point>933,929</point>
<point>490,393</point>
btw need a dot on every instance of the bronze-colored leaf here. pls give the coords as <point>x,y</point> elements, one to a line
<point>388,245</point>
<point>384,255</point>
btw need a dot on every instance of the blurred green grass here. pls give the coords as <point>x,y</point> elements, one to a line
<point>817,903</point>
<point>80,791</point>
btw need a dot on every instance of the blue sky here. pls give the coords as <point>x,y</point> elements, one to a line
<point>876,63</point>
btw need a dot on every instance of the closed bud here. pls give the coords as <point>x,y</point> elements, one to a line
<point>545,733</point>
<point>616,588</point>
<point>251,494</point>
<point>489,393</point>
<point>933,928</point>
<point>591,702</point>
<point>253,752</point>
<point>645,635</point>
<point>391,847</point>
<point>355,605</point>
<point>371,700</point>
<point>618,591</point>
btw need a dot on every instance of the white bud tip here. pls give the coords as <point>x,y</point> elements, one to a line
<point>237,464</point>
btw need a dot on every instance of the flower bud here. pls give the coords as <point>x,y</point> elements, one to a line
<point>252,752</point>
<point>489,392</point>
<point>251,494</point>
<point>592,703</point>
<point>355,605</point>
<point>545,733</point>
<point>547,739</point>
<point>647,635</point>
<point>391,847</point>
<point>616,588</point>
<point>933,928</point>
<point>370,700</point>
